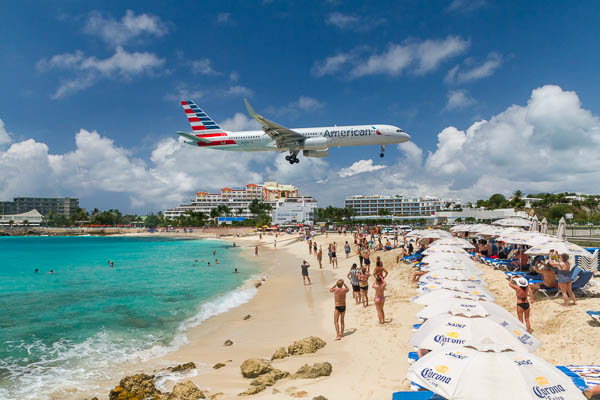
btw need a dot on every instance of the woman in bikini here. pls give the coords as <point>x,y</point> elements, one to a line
<point>379,287</point>
<point>520,285</point>
<point>367,260</point>
<point>379,271</point>
<point>363,283</point>
<point>564,278</point>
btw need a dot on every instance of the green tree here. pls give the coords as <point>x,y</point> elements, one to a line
<point>496,201</point>
<point>152,221</point>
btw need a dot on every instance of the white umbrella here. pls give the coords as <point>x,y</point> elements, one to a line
<point>445,249</point>
<point>513,222</point>
<point>465,287</point>
<point>453,241</point>
<point>448,258</point>
<point>526,238</point>
<point>562,229</point>
<point>469,308</point>
<point>446,329</point>
<point>440,266</point>
<point>544,228</point>
<point>534,224</point>
<point>467,374</point>
<point>441,295</point>
<point>449,274</point>
<point>559,246</point>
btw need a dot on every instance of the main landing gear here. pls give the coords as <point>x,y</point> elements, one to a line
<point>292,158</point>
<point>382,151</point>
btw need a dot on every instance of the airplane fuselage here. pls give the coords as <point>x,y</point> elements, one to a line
<point>316,139</point>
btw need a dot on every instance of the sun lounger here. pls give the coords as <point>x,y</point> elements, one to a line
<point>577,380</point>
<point>595,315</point>
<point>590,374</point>
<point>422,395</point>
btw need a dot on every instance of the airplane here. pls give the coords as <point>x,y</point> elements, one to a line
<point>313,142</point>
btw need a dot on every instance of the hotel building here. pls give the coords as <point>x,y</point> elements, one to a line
<point>395,205</point>
<point>65,206</point>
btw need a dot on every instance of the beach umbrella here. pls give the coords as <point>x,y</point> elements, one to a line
<point>472,289</point>
<point>445,329</point>
<point>453,241</point>
<point>450,274</point>
<point>441,295</point>
<point>562,229</point>
<point>441,266</point>
<point>559,246</point>
<point>534,224</point>
<point>544,226</point>
<point>470,309</point>
<point>526,238</point>
<point>445,249</point>
<point>513,222</point>
<point>463,373</point>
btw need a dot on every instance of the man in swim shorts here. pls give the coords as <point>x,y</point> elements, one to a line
<point>339,291</point>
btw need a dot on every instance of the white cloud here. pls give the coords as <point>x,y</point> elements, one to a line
<point>4,135</point>
<point>240,122</point>
<point>87,70</point>
<point>487,68</point>
<point>203,67</point>
<point>464,6</point>
<point>458,99</point>
<point>417,57</point>
<point>238,91</point>
<point>184,92</point>
<point>353,22</point>
<point>224,18</point>
<point>234,76</point>
<point>303,104</point>
<point>128,28</point>
<point>359,167</point>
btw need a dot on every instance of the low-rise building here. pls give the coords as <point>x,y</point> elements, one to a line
<point>398,205</point>
<point>295,210</point>
<point>29,218</point>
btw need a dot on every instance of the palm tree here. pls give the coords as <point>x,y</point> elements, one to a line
<point>11,223</point>
<point>215,213</point>
<point>26,222</point>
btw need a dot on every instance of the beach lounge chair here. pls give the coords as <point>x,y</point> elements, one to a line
<point>588,263</point>
<point>590,374</point>
<point>577,380</point>
<point>595,315</point>
<point>422,395</point>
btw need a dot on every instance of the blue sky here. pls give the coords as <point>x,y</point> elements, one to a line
<point>90,96</point>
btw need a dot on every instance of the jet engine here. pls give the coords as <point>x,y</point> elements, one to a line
<point>315,153</point>
<point>317,143</point>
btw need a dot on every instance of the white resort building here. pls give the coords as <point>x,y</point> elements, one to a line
<point>29,218</point>
<point>397,205</point>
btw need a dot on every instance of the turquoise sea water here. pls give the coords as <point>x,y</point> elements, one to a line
<point>70,327</point>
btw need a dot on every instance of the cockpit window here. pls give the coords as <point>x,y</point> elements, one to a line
<point>398,130</point>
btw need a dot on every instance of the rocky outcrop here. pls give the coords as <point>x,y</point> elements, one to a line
<point>183,367</point>
<point>218,365</point>
<point>227,343</point>
<point>186,391</point>
<point>254,367</point>
<point>279,354</point>
<point>252,390</point>
<point>247,317</point>
<point>311,372</point>
<point>307,345</point>
<point>319,398</point>
<point>270,378</point>
<point>140,386</point>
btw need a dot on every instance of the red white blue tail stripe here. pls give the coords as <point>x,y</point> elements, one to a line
<point>198,119</point>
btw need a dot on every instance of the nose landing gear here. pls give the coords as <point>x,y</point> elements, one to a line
<point>382,151</point>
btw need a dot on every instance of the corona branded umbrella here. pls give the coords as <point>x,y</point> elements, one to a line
<point>470,309</point>
<point>435,296</point>
<point>465,287</point>
<point>446,329</point>
<point>513,222</point>
<point>438,266</point>
<point>451,274</point>
<point>448,258</point>
<point>453,241</point>
<point>463,373</point>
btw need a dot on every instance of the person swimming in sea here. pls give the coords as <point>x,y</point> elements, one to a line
<point>235,271</point>
<point>51,272</point>
<point>36,271</point>
<point>214,252</point>
<point>216,261</point>
<point>209,263</point>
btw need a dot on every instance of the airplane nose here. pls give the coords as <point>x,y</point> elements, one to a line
<point>406,136</point>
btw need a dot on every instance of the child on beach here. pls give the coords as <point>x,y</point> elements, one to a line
<point>339,291</point>
<point>379,287</point>
<point>521,286</point>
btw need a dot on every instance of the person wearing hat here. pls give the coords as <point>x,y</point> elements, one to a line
<point>521,286</point>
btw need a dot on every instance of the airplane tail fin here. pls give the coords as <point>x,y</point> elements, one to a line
<point>199,120</point>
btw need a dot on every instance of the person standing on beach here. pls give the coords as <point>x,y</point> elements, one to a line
<point>564,278</point>
<point>379,271</point>
<point>309,246</point>
<point>379,287</point>
<point>334,255</point>
<point>347,249</point>
<point>256,250</point>
<point>521,286</point>
<point>275,243</point>
<point>363,283</point>
<point>320,257</point>
<point>339,291</point>
<point>353,277</point>
<point>305,266</point>
<point>315,248</point>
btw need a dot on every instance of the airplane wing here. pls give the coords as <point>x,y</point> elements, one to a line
<point>193,138</point>
<point>283,137</point>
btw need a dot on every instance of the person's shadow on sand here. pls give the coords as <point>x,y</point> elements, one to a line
<point>348,332</point>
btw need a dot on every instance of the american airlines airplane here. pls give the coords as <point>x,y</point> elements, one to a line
<point>314,142</point>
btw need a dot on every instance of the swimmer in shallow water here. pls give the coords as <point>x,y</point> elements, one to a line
<point>51,271</point>
<point>235,271</point>
<point>36,271</point>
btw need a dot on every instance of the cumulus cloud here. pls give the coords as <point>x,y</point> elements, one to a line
<point>303,104</point>
<point>458,99</point>
<point>128,28</point>
<point>464,6</point>
<point>224,18</point>
<point>417,57</point>
<point>4,135</point>
<point>475,72</point>
<point>353,22</point>
<point>359,167</point>
<point>87,70</point>
<point>203,67</point>
<point>240,122</point>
